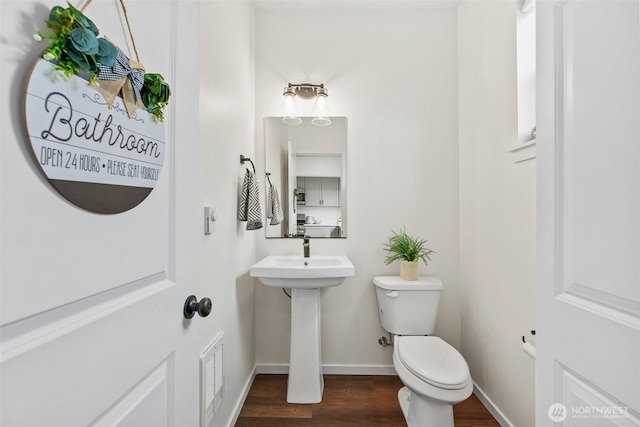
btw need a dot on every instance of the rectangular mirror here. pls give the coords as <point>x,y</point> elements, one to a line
<point>308,166</point>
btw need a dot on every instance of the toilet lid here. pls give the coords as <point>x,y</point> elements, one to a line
<point>434,361</point>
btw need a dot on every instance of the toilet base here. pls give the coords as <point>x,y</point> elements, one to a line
<point>421,412</point>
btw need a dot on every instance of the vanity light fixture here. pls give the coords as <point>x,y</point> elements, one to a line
<point>307,91</point>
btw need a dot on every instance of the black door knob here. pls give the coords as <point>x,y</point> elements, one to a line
<point>193,306</point>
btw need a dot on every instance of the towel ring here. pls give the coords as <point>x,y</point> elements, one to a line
<point>533,332</point>
<point>246,159</point>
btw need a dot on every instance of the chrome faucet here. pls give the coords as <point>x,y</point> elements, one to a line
<point>306,246</point>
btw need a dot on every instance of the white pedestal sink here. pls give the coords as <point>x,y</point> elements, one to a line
<point>305,277</point>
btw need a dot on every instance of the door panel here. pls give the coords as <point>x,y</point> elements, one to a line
<point>588,212</point>
<point>148,404</point>
<point>97,354</point>
<point>92,243</point>
<point>600,150</point>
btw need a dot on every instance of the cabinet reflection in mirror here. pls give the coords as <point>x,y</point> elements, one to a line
<point>308,167</point>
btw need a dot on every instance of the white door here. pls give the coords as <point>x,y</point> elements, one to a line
<point>92,326</point>
<point>588,358</point>
<point>292,209</point>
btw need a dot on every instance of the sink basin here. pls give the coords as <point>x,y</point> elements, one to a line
<point>306,277</point>
<point>292,271</point>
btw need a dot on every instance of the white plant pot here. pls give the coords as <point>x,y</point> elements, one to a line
<point>409,270</point>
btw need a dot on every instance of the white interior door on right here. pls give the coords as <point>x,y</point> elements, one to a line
<point>588,154</point>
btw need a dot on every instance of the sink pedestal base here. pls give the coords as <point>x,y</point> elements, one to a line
<point>305,382</point>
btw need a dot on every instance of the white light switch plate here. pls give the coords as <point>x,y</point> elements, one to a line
<point>209,220</point>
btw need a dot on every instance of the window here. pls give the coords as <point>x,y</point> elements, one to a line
<point>524,147</point>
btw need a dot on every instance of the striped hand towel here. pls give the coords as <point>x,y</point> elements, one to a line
<point>274,209</point>
<point>249,208</point>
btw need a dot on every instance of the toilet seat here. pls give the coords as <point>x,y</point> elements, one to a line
<point>433,361</point>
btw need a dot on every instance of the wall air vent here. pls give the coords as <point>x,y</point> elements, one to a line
<point>211,380</point>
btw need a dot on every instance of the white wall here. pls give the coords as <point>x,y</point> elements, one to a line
<point>226,131</point>
<point>393,73</point>
<point>497,213</point>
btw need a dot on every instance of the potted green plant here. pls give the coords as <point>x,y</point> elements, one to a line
<point>408,250</point>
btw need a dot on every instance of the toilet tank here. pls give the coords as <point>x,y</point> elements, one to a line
<point>408,307</point>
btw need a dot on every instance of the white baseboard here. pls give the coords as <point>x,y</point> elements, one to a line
<point>491,407</point>
<point>283,368</point>
<point>359,370</point>
<point>243,397</point>
<point>272,368</point>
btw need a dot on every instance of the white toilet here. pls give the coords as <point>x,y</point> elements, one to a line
<point>435,375</point>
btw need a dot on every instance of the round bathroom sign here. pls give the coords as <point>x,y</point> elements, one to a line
<point>96,157</point>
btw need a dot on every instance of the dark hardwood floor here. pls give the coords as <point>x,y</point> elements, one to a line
<point>348,401</point>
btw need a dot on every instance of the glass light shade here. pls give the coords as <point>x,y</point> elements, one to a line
<point>291,120</point>
<point>321,121</point>
<point>290,109</point>
<point>321,110</point>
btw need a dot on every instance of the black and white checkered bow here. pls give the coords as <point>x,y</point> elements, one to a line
<point>122,68</point>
